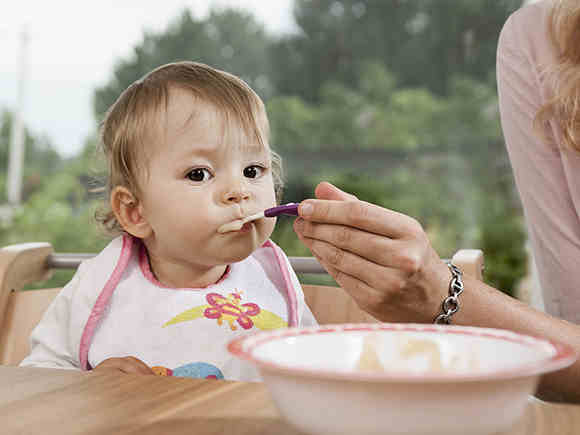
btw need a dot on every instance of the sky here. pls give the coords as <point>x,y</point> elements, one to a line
<point>72,48</point>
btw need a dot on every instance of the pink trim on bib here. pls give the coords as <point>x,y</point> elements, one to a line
<point>148,273</point>
<point>103,300</point>
<point>290,290</point>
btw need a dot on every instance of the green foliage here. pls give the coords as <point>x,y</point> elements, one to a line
<point>503,235</point>
<point>294,123</point>
<point>228,39</point>
<point>58,207</point>
<point>41,158</point>
<point>424,43</point>
<point>57,215</point>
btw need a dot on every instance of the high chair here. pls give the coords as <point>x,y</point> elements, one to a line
<point>28,263</point>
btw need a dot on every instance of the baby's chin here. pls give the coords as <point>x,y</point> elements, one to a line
<point>239,253</point>
<point>240,247</point>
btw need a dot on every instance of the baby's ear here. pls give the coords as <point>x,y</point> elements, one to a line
<point>129,212</point>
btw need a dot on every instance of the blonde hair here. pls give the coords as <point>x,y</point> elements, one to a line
<point>564,107</point>
<point>128,122</point>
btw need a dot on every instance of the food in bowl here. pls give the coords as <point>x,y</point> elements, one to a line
<point>417,354</point>
<point>400,378</point>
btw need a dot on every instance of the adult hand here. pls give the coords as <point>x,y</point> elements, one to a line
<point>382,258</point>
<point>128,364</point>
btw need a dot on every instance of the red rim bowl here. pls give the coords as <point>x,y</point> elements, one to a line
<point>562,355</point>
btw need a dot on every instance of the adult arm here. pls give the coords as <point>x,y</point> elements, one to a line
<point>545,170</point>
<point>385,261</point>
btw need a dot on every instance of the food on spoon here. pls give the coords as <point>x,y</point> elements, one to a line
<point>231,226</point>
<point>290,209</point>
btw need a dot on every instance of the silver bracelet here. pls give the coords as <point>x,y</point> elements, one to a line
<point>450,304</point>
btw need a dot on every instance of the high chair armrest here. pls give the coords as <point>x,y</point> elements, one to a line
<point>470,262</point>
<point>20,265</point>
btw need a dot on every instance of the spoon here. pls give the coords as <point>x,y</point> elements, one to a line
<point>290,209</point>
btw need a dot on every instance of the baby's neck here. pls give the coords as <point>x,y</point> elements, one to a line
<point>179,275</point>
<point>169,276</point>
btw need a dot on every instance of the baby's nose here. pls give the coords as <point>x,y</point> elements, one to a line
<point>235,195</point>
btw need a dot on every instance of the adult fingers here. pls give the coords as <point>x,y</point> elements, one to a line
<point>336,261</point>
<point>359,214</point>
<point>365,296</point>
<point>385,306</point>
<point>369,299</point>
<point>381,278</point>
<point>382,292</point>
<point>377,249</point>
<point>325,190</point>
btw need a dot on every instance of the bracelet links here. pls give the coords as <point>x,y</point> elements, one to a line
<point>450,304</point>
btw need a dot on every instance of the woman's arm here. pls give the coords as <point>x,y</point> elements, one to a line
<point>385,261</point>
<point>546,172</point>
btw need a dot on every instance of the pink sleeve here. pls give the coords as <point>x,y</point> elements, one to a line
<point>541,170</point>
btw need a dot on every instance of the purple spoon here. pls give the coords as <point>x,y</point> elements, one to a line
<point>291,209</point>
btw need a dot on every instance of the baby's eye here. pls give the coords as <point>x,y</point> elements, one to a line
<point>199,174</point>
<point>253,171</point>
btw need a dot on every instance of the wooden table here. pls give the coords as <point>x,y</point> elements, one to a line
<point>46,401</point>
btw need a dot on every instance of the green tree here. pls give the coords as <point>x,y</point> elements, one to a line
<point>42,160</point>
<point>424,42</point>
<point>228,39</point>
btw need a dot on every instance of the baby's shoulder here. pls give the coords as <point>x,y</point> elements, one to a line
<point>107,259</point>
<point>93,273</point>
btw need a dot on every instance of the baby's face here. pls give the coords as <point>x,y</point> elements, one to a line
<point>203,173</point>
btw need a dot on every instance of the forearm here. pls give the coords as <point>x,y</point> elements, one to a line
<point>484,306</point>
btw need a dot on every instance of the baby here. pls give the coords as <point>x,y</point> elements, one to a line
<point>187,151</point>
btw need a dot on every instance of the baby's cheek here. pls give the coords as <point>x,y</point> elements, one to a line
<point>267,194</point>
<point>204,218</point>
<point>267,227</point>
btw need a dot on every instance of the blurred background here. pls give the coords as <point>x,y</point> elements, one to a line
<point>393,100</point>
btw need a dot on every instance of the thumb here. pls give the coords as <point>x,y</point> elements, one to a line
<point>326,190</point>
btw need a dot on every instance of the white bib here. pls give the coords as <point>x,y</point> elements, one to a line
<point>184,332</point>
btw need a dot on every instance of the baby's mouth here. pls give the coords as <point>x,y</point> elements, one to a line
<point>236,225</point>
<point>247,227</point>
<point>241,223</point>
<point>231,226</point>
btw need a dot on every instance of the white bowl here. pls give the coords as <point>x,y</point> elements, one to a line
<point>400,378</point>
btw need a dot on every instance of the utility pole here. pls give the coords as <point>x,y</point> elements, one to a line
<point>16,155</point>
